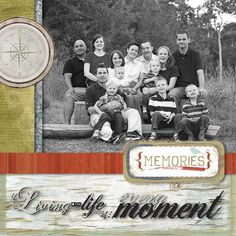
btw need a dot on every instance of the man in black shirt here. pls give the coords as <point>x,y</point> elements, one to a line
<point>74,77</point>
<point>130,115</point>
<point>190,67</point>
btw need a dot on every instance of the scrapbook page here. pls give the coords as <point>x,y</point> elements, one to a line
<point>117,117</point>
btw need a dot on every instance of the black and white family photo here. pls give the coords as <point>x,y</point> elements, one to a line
<point>139,70</point>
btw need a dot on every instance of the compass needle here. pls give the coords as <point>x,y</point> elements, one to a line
<point>12,45</point>
<point>13,57</point>
<point>8,51</point>
<point>19,31</point>
<point>26,59</point>
<point>28,44</point>
<point>29,52</point>
<point>18,55</point>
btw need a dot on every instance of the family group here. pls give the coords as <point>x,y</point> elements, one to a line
<point>121,92</point>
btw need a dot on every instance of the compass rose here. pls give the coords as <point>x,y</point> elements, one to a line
<point>26,52</point>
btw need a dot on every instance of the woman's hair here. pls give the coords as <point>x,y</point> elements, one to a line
<point>120,54</point>
<point>170,61</point>
<point>97,36</point>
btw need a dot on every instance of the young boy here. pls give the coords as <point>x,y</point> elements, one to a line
<point>194,119</point>
<point>162,108</point>
<point>114,116</point>
<point>149,87</point>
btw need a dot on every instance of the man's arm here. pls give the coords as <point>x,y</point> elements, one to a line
<point>171,83</point>
<point>97,109</point>
<point>152,90</point>
<point>201,78</point>
<point>87,73</point>
<point>201,81</point>
<point>67,77</point>
<point>147,80</point>
<point>89,98</point>
<point>141,76</point>
<point>173,77</point>
<point>140,81</point>
<point>200,74</point>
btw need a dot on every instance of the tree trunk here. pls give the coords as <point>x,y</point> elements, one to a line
<point>220,55</point>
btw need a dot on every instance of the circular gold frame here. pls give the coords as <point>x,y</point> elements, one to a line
<point>45,36</point>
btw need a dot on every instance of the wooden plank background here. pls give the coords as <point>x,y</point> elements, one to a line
<point>68,188</point>
<point>71,163</point>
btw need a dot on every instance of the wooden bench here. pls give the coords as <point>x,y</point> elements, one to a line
<point>83,131</point>
<point>66,131</point>
<point>212,131</point>
<point>81,116</point>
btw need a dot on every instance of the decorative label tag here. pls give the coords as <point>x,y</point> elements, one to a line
<point>171,161</point>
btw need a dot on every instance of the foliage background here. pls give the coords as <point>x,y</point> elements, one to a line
<point>124,21</point>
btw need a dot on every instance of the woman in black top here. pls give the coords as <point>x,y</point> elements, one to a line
<point>168,68</point>
<point>97,56</point>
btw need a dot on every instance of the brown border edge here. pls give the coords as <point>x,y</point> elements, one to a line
<point>215,179</point>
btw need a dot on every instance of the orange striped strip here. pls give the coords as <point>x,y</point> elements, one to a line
<point>71,163</point>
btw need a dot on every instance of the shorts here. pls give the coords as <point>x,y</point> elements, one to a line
<point>77,94</point>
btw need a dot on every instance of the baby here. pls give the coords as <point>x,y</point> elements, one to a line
<point>149,86</point>
<point>132,97</point>
<point>125,86</point>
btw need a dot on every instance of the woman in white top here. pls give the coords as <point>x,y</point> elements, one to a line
<point>94,58</point>
<point>117,60</point>
<point>134,73</point>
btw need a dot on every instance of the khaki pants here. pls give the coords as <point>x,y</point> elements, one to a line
<point>131,117</point>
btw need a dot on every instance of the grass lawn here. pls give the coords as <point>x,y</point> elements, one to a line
<point>85,145</point>
<point>80,145</point>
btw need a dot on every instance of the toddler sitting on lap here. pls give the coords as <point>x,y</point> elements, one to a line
<point>114,115</point>
<point>127,87</point>
<point>149,86</point>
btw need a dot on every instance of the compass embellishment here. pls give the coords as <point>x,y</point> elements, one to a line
<point>26,52</point>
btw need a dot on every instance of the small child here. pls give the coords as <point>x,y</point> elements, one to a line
<point>149,86</point>
<point>125,86</point>
<point>149,80</point>
<point>162,108</point>
<point>132,97</point>
<point>114,116</point>
<point>194,118</point>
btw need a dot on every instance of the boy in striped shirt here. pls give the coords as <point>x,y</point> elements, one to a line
<point>195,116</point>
<point>162,108</point>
